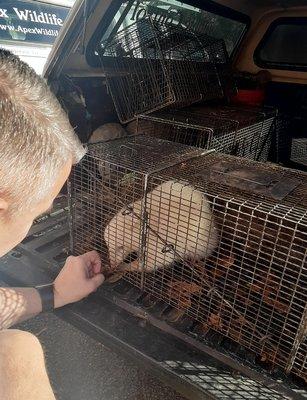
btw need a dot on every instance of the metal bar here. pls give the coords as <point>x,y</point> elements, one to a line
<point>144,225</point>
<point>299,338</point>
<point>154,118</point>
<point>71,217</point>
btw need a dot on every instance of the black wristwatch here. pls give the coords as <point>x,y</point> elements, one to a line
<point>47,296</point>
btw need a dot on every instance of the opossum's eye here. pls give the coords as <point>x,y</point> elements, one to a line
<point>168,248</point>
<point>131,257</point>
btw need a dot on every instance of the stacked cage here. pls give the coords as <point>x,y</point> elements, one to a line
<point>240,131</point>
<point>218,238</point>
<point>150,66</point>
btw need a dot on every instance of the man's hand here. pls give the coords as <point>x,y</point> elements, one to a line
<point>79,277</point>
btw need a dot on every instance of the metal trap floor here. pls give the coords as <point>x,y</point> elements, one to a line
<point>133,324</point>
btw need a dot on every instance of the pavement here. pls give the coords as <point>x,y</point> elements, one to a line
<point>82,369</point>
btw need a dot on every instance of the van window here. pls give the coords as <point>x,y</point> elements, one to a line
<point>30,21</point>
<point>175,12</point>
<point>284,46</point>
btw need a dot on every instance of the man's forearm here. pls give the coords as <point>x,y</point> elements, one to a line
<point>17,305</point>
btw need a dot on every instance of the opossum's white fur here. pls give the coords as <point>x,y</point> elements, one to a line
<point>181,216</point>
<point>106,132</point>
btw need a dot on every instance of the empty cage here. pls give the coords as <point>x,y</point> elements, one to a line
<point>150,65</point>
<point>240,131</point>
<point>219,238</point>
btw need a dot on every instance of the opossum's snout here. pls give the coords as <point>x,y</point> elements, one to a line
<point>122,260</point>
<point>133,256</point>
<point>130,263</point>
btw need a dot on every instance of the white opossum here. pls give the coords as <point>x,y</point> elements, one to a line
<point>106,132</point>
<point>178,215</point>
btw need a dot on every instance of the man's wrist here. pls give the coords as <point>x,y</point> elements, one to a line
<point>59,301</point>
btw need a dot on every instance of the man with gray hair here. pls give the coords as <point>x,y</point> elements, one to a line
<point>37,150</point>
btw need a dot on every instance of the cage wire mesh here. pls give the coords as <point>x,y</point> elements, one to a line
<point>218,238</point>
<point>299,151</point>
<point>240,131</point>
<point>150,65</point>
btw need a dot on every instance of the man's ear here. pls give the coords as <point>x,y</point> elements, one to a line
<point>4,205</point>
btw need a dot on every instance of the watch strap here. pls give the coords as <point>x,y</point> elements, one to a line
<point>47,296</point>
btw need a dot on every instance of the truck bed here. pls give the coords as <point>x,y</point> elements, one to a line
<point>117,316</point>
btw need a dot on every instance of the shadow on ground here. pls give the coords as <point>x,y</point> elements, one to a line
<point>82,369</point>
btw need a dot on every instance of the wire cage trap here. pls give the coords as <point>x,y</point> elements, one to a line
<point>150,65</point>
<point>219,238</point>
<point>299,151</point>
<point>240,131</point>
<point>101,180</point>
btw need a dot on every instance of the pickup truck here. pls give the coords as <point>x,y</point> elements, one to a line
<point>267,36</point>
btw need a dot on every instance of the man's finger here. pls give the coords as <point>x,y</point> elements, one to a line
<point>93,258</point>
<point>97,280</point>
<point>96,267</point>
